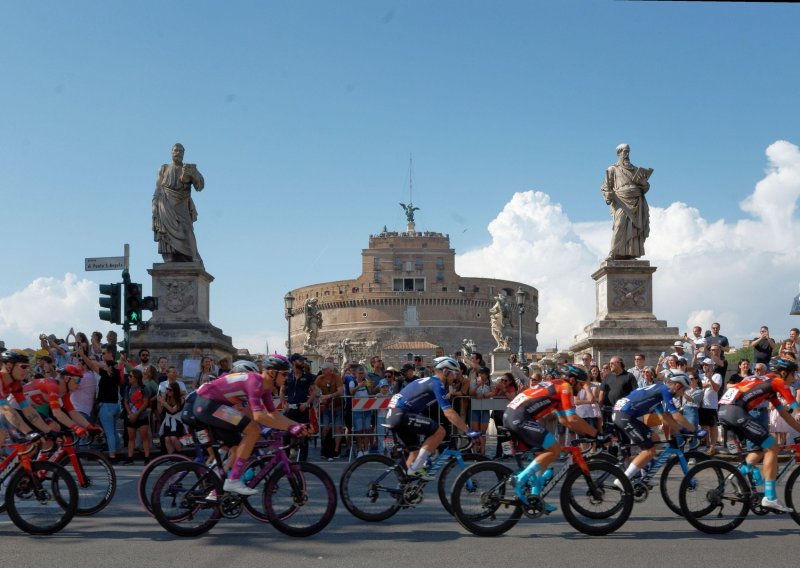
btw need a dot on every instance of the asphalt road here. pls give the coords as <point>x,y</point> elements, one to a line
<point>123,535</point>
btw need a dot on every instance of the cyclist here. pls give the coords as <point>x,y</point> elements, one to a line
<point>219,405</point>
<point>50,397</point>
<point>523,417</point>
<point>405,417</point>
<point>15,367</point>
<point>652,398</point>
<point>733,414</point>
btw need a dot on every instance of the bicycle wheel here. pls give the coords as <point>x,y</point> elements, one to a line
<point>671,478</point>
<point>447,477</point>
<point>594,504</point>
<point>371,488</point>
<point>185,499</point>
<point>42,501</point>
<point>792,493</point>
<point>96,480</point>
<point>302,503</point>
<point>714,497</point>
<point>484,501</point>
<point>151,473</point>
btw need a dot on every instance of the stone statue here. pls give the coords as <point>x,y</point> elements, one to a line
<point>174,211</point>
<point>345,352</point>
<point>313,321</point>
<point>623,189</point>
<point>499,319</point>
<point>467,348</point>
<point>409,209</point>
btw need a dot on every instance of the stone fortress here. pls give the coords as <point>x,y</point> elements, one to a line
<point>409,299</point>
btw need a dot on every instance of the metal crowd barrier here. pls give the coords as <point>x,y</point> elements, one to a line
<point>381,439</point>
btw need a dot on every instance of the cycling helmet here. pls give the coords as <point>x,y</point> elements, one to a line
<point>447,363</point>
<point>244,366</point>
<point>71,371</point>
<point>277,362</point>
<point>579,373</point>
<point>783,364</point>
<point>12,356</point>
<point>680,378</point>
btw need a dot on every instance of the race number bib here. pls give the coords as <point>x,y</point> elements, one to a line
<point>395,399</point>
<point>519,399</point>
<point>620,403</point>
<point>729,396</point>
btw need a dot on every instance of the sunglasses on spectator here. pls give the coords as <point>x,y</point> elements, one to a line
<point>23,366</point>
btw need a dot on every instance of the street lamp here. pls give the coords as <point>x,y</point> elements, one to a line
<point>288,302</point>
<point>520,295</point>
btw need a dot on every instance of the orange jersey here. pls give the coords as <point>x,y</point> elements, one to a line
<point>752,391</point>
<point>544,398</point>
<point>12,391</point>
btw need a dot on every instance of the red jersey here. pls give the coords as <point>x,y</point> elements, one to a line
<point>752,391</point>
<point>12,392</point>
<point>544,398</point>
<point>47,392</point>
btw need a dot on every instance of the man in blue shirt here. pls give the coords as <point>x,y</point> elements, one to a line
<point>296,396</point>
<point>406,419</point>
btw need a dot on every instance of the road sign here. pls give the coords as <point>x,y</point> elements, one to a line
<point>105,263</point>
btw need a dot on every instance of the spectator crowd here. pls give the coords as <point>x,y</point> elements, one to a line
<point>137,398</point>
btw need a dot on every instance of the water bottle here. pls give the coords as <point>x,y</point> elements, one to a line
<point>249,474</point>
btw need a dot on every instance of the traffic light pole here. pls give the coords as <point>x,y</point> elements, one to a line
<point>126,324</point>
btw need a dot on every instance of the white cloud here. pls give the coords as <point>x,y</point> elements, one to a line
<point>742,274</point>
<point>48,305</point>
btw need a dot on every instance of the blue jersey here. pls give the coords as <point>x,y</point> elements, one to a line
<point>419,394</point>
<point>652,398</point>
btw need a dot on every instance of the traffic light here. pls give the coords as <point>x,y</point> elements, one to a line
<point>110,299</point>
<point>150,303</point>
<point>133,303</point>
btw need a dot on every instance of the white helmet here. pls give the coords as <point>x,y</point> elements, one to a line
<point>680,378</point>
<point>446,363</point>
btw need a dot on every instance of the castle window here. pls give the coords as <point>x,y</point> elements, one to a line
<point>408,284</point>
<point>439,264</point>
<point>376,276</point>
<point>440,276</point>
<point>376,263</point>
<point>418,263</point>
<point>398,263</point>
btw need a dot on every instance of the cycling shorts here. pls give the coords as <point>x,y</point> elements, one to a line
<point>637,431</point>
<point>225,422</point>
<point>409,426</point>
<point>532,433</point>
<point>737,419</point>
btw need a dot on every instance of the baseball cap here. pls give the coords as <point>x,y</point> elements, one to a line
<point>678,344</point>
<point>391,369</point>
<point>383,383</point>
<point>407,367</point>
<point>708,361</point>
<point>296,357</point>
<point>326,365</point>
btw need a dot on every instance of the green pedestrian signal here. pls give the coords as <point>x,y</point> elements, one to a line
<point>133,303</point>
<point>110,299</point>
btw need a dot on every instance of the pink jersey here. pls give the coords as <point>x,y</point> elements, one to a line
<point>236,388</point>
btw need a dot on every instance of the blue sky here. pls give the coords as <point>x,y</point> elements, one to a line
<point>302,115</point>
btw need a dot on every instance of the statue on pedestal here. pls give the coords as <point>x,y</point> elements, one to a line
<point>174,211</point>
<point>313,321</point>
<point>623,188</point>
<point>499,315</point>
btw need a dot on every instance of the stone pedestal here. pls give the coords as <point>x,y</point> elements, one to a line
<point>624,321</point>
<point>500,364</point>
<point>181,324</point>
<point>314,360</point>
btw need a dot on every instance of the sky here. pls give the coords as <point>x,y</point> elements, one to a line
<point>302,117</point>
